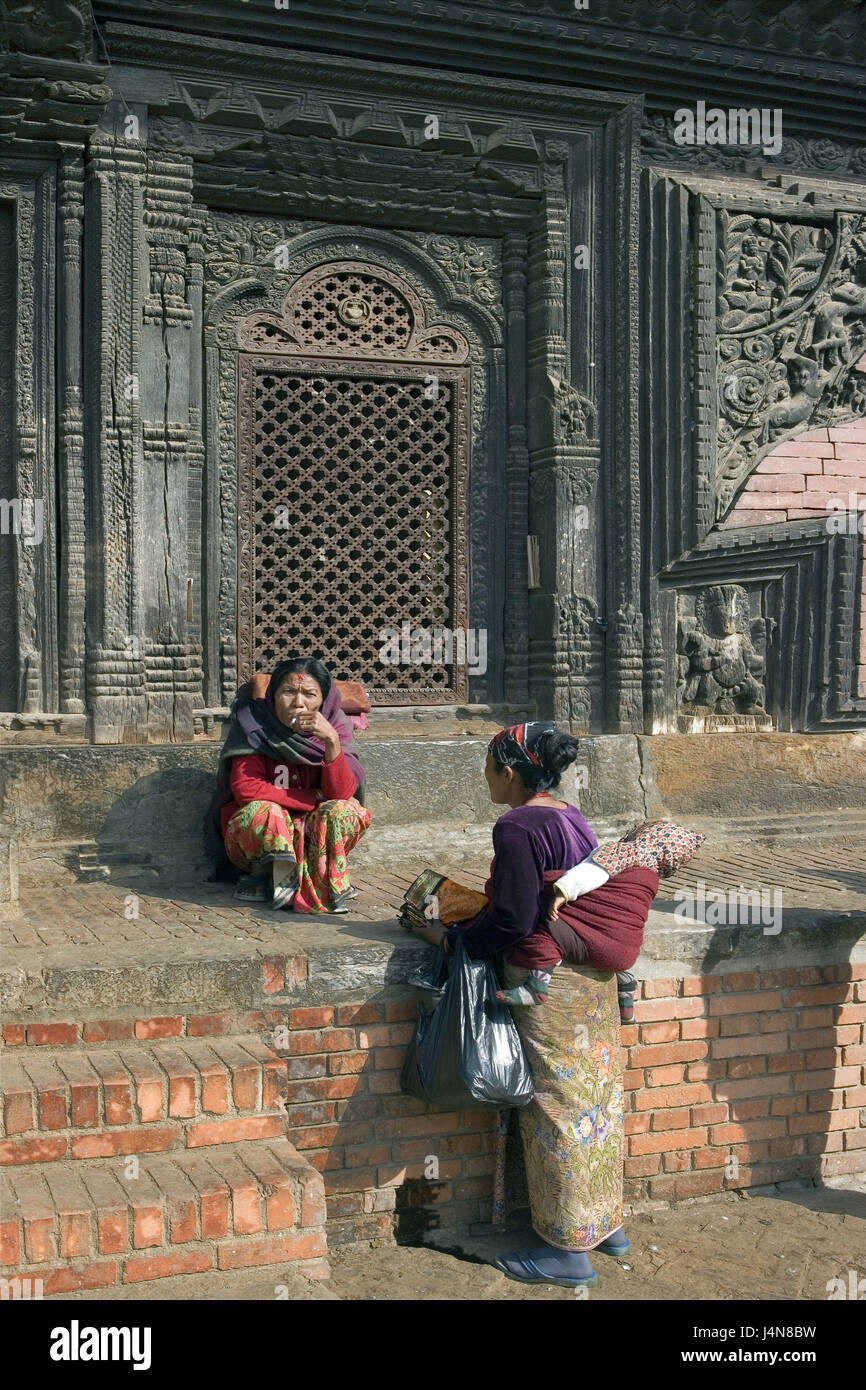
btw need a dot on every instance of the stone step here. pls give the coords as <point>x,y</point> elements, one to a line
<point>111,1222</point>
<point>59,1103</point>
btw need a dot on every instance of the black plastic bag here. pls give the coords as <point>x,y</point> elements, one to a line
<point>466,1053</point>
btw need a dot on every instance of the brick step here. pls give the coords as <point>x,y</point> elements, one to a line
<point>128,1099</point>
<point>104,1222</point>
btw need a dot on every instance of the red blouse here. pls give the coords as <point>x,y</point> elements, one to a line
<point>253,778</point>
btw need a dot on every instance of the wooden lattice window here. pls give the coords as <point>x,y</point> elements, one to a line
<point>353,480</point>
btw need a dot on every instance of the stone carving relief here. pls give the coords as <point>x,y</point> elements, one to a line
<point>791,318</point>
<point>53,28</point>
<point>472,264</point>
<point>720,652</point>
<point>822,155</point>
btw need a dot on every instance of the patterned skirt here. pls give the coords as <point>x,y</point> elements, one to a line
<point>573,1129</point>
<point>319,841</point>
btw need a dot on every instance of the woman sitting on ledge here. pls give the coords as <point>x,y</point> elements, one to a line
<point>288,785</point>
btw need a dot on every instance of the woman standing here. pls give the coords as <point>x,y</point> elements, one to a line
<point>287,803</point>
<point>572,1131</point>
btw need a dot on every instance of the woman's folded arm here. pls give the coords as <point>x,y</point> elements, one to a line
<point>249,782</point>
<point>338,782</point>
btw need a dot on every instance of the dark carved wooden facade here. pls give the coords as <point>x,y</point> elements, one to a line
<point>319,315</point>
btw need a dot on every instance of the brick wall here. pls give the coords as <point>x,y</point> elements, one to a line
<point>732,1080</point>
<point>799,480</point>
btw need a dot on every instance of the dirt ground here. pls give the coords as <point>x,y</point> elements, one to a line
<point>763,1248</point>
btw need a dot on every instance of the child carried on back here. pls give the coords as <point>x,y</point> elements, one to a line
<point>598,910</point>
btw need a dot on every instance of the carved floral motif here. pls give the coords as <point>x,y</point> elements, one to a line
<point>791,315</point>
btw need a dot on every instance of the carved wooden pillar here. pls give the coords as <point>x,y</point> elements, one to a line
<point>72,591</point>
<point>620,432</point>
<point>172,450</point>
<point>516,624</point>
<point>548,356</point>
<point>114,254</point>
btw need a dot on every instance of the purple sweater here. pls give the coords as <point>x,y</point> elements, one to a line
<point>526,842</point>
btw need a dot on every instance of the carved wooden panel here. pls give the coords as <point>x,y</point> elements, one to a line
<point>352,510</point>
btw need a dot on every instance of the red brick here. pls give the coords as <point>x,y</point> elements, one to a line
<point>665,1076</point>
<point>750,1109</point>
<point>855,1096</point>
<point>816,1018</point>
<point>776,979</point>
<point>659,989</point>
<point>273,974</point>
<point>634,1124</point>
<point>677,1163</point>
<point>401,1011</point>
<point>642,1167</point>
<point>745,1132</point>
<point>386,1035</point>
<point>208,1025</point>
<point>183,1221</point>
<point>112,1230</point>
<point>214,1088</point>
<point>228,1131</point>
<point>325,1088</point>
<point>786,1061</point>
<point>746,1066</point>
<point>788,1105</point>
<point>670,1119</point>
<point>142,1267</point>
<point>628,1034</point>
<point>855,1139</point>
<point>745,1003</point>
<point>386,1083</point>
<point>818,994</point>
<point>411,1126</point>
<point>819,1059</point>
<point>214,1213</point>
<point>854,1056</point>
<point>851,1013</point>
<point>786,1147</point>
<point>340,1063</point>
<point>70,1280</point>
<point>31,1150</point>
<point>310,1018</point>
<point>10,1243</point>
<point>668,1142</point>
<point>709,1114</point>
<point>130,1141</point>
<point>146,1224</point>
<point>344,1204</point>
<point>755,1045</point>
<point>663,1055</point>
<point>706,1071</point>
<point>159,1027</point>
<point>632,1080</point>
<point>700,984</point>
<point>348,1014</point>
<point>699,1028</point>
<point>812,1037</point>
<point>14,1034</point>
<point>108,1030</point>
<point>747,980</point>
<point>833,1164</point>
<point>655,1010</point>
<point>18,1108</point>
<point>825,1120</point>
<point>74,1228</point>
<point>271,1250</point>
<point>755,1086</point>
<point>51,1034</point>
<point>773,1023</point>
<point>679,1185</point>
<point>710,1158</point>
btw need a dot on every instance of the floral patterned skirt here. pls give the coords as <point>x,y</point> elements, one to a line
<point>319,841</point>
<point>573,1129</point>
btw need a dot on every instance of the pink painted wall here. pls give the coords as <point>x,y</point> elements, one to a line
<point>799,479</point>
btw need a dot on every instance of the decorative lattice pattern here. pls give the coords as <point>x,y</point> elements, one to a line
<point>352,519</point>
<point>353,307</point>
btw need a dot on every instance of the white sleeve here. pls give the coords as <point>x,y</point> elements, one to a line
<point>581,879</point>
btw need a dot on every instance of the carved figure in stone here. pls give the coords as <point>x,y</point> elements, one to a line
<point>749,289</point>
<point>796,397</point>
<point>56,28</point>
<point>722,671</point>
<point>846,301</point>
